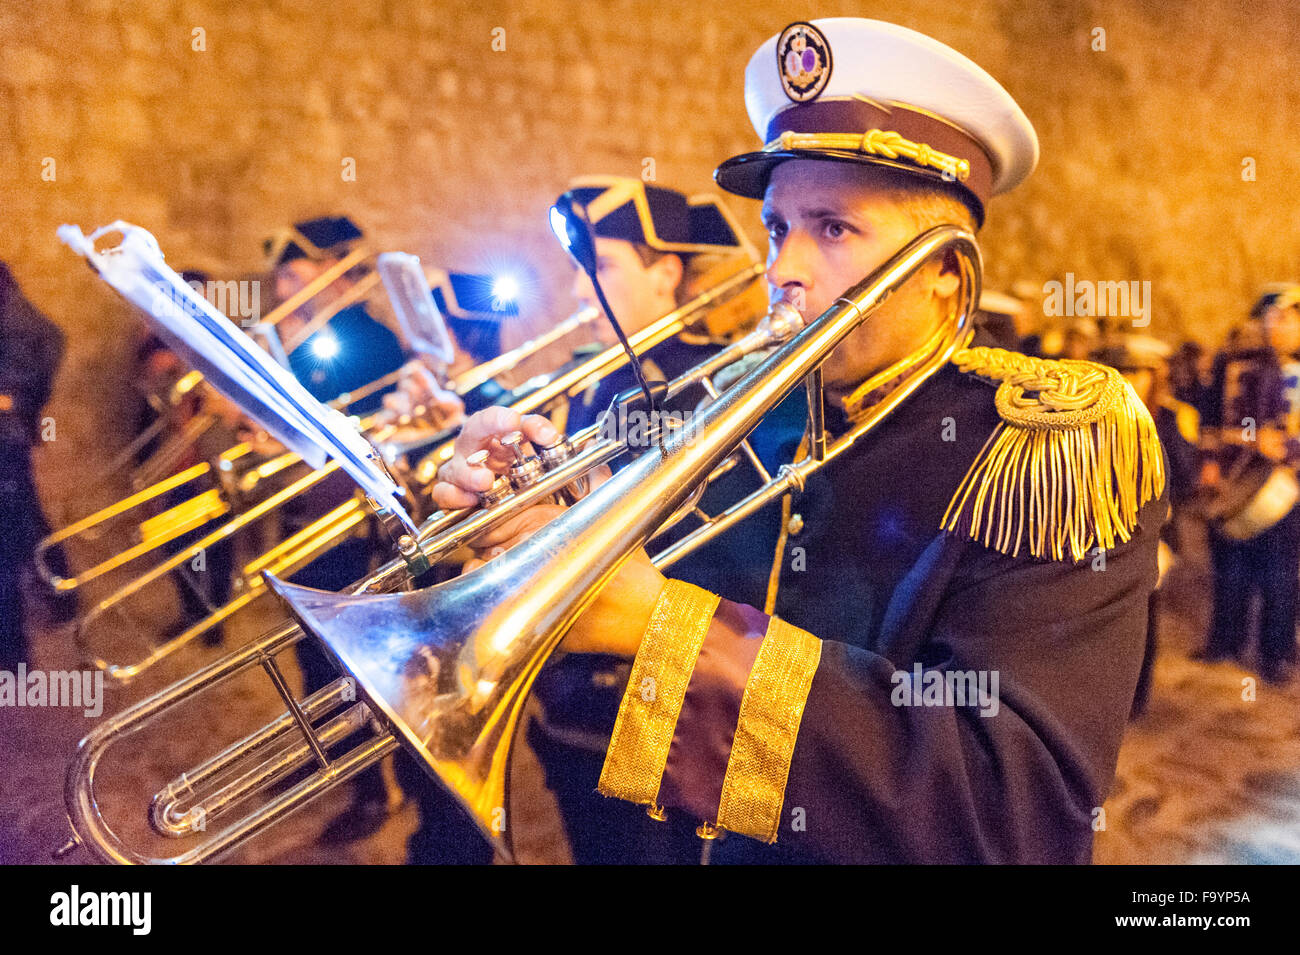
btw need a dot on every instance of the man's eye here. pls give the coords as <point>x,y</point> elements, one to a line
<point>776,230</point>
<point>835,230</point>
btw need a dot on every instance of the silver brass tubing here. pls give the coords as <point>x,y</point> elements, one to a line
<point>179,811</point>
<point>304,725</point>
<point>816,415</point>
<point>92,831</point>
<point>450,666</point>
<point>198,785</point>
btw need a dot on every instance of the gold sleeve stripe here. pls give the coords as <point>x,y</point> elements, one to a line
<point>647,717</point>
<point>770,712</point>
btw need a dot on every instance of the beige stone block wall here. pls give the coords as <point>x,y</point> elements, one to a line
<point>459,149</point>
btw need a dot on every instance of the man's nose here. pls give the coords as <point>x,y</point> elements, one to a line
<point>790,267</point>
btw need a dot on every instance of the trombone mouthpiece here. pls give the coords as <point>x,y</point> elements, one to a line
<point>783,320</point>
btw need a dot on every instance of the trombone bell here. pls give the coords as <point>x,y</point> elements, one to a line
<point>419,658</point>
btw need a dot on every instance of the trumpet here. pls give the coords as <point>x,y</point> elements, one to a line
<point>234,490</point>
<point>445,671</point>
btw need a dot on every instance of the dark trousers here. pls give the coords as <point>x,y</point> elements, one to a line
<point>201,591</point>
<point>602,830</point>
<point>19,523</point>
<point>1268,565</point>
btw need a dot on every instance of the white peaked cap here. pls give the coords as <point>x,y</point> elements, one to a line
<point>855,90</point>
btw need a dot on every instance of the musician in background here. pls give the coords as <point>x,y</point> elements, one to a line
<point>31,347</point>
<point>1253,411</point>
<point>656,248</point>
<point>1187,380</point>
<point>805,723</point>
<point>474,311</point>
<point>1143,361</point>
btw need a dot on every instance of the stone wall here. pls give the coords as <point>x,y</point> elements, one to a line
<point>212,123</point>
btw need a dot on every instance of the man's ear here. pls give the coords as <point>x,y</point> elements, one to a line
<point>668,270</point>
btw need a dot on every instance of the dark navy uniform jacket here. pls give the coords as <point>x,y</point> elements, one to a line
<point>367,350</point>
<point>580,693</point>
<point>885,589</point>
<point>670,358</point>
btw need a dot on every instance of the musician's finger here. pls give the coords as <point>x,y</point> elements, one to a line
<point>447,408</point>
<point>517,527</point>
<point>449,497</point>
<point>469,474</point>
<point>482,429</point>
<point>539,430</point>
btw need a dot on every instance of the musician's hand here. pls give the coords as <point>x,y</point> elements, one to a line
<point>259,440</point>
<point>226,411</point>
<point>459,481</point>
<point>419,395</point>
<point>1210,474</point>
<point>616,620</point>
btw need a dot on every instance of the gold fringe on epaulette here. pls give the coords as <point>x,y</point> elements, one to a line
<point>1066,470</point>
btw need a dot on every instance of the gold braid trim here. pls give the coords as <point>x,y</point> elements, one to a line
<point>1073,459</point>
<point>875,142</point>
<point>647,716</point>
<point>771,710</point>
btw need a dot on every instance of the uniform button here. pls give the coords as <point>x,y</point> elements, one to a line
<point>795,524</point>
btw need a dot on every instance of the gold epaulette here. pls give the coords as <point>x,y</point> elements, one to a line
<point>1068,466</point>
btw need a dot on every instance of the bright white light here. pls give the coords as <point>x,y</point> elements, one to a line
<point>325,347</point>
<point>505,288</point>
<point>560,226</point>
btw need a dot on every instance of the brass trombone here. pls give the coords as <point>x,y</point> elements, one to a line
<point>204,506</point>
<point>446,670</point>
<point>308,544</point>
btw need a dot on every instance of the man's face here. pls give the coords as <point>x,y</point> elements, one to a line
<point>292,277</point>
<point>1282,330</point>
<point>637,293</point>
<point>829,224</point>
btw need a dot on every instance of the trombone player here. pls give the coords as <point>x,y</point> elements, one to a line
<point>996,532</point>
<point>656,248</point>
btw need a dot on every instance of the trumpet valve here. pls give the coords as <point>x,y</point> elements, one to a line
<point>499,491</point>
<point>525,472</point>
<point>527,467</point>
<point>556,454</point>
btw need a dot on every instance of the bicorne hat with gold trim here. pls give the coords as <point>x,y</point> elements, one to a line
<point>664,219</point>
<point>851,90</point>
<point>315,239</point>
<point>473,310</point>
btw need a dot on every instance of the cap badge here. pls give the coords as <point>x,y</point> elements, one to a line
<point>803,60</point>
